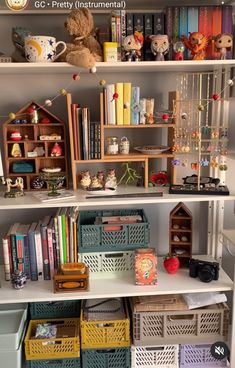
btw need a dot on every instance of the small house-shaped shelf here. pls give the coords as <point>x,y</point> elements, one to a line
<point>180,233</point>
<point>34,147</point>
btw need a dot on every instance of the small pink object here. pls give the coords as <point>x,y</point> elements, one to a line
<point>56,150</point>
<point>165,118</point>
<point>15,135</point>
<point>216,96</point>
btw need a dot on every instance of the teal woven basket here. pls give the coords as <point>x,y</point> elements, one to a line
<point>106,358</point>
<point>54,363</point>
<point>101,238</point>
<point>57,309</point>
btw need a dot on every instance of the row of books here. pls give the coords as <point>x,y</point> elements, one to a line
<point>39,248</point>
<point>127,108</point>
<point>86,134</point>
<point>175,22</point>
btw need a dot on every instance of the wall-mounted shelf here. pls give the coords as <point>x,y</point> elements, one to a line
<point>117,67</point>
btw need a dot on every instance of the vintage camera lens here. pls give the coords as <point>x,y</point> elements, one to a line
<point>206,273</point>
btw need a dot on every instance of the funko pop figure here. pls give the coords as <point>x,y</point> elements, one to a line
<point>223,44</point>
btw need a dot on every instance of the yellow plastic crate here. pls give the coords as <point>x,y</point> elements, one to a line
<point>55,348</point>
<point>105,333</point>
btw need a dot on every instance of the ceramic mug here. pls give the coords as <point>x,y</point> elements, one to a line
<point>42,48</point>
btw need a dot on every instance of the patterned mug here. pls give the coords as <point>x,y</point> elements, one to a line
<point>42,48</point>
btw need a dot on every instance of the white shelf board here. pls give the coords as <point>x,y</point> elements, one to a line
<point>123,287</point>
<point>81,200</point>
<point>117,67</point>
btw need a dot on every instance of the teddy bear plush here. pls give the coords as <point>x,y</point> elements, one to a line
<point>85,50</point>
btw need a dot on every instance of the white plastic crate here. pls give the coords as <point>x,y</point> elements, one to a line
<point>160,356</point>
<point>108,264</point>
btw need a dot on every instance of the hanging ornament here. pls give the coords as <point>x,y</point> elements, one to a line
<point>48,103</point>
<point>63,92</point>
<point>12,116</point>
<point>93,70</point>
<point>216,96</point>
<point>102,82</point>
<point>184,116</point>
<point>126,105</point>
<point>200,108</point>
<point>76,77</point>
<point>115,96</point>
<point>230,82</point>
<point>165,118</point>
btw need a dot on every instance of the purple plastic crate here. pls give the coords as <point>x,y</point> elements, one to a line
<point>199,356</point>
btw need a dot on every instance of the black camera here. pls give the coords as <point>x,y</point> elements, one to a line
<point>206,271</point>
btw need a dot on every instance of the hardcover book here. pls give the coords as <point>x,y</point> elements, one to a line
<point>127,103</point>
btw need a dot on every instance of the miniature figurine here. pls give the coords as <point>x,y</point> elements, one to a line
<point>15,135</point>
<point>14,190</point>
<point>223,44</point>
<point>100,177</point>
<point>18,36</point>
<point>132,45</point>
<point>33,114</point>
<point>197,44</point>
<point>159,46</point>
<point>85,180</point>
<point>111,180</point>
<point>95,183</point>
<point>39,151</point>
<point>56,150</point>
<point>16,151</point>
<point>179,50</point>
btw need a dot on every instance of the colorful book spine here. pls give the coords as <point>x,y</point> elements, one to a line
<point>50,248</point>
<point>32,252</point>
<point>13,245</point>
<point>123,31</point>
<point>216,29</point>
<point>159,23</point>
<point>193,22</point>
<point>85,132</point>
<point>169,29</point>
<point>6,257</point>
<point>227,24</point>
<point>71,246</point>
<point>38,247</point>
<point>20,252</point>
<point>119,34</point>
<point>175,24</point>
<point>111,111</point>
<point>113,28</point>
<point>148,31</point>
<point>67,235</point>
<point>57,240</point>
<point>127,103</point>
<point>76,142</point>
<point>92,140</point>
<point>183,21</point>
<point>143,110</point>
<point>26,257</point>
<point>205,25</point>
<point>119,103</point>
<point>45,253</point>
<point>129,24</point>
<point>135,102</point>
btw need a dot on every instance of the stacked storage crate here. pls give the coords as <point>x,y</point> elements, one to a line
<point>105,333</point>
<point>13,319</point>
<point>154,330</point>
<point>108,249</point>
<point>64,349</point>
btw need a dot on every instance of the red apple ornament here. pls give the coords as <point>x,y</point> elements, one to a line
<point>171,264</point>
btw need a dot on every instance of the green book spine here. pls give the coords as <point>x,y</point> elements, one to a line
<point>63,222</point>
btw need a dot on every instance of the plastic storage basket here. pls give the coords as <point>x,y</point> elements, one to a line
<point>54,363</point>
<point>105,333</point>
<point>54,348</point>
<point>13,358</point>
<point>205,325</point>
<point>108,264</point>
<point>57,309</point>
<point>199,356</point>
<point>106,358</point>
<point>102,238</point>
<point>161,356</point>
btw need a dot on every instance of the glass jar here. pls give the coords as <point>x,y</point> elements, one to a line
<point>112,146</point>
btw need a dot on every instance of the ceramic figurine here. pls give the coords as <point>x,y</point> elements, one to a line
<point>111,180</point>
<point>56,150</point>
<point>197,44</point>
<point>223,44</point>
<point>95,183</point>
<point>18,280</point>
<point>159,46</point>
<point>85,180</point>
<point>100,177</point>
<point>18,36</point>
<point>14,190</point>
<point>39,151</point>
<point>132,46</point>
<point>16,151</point>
